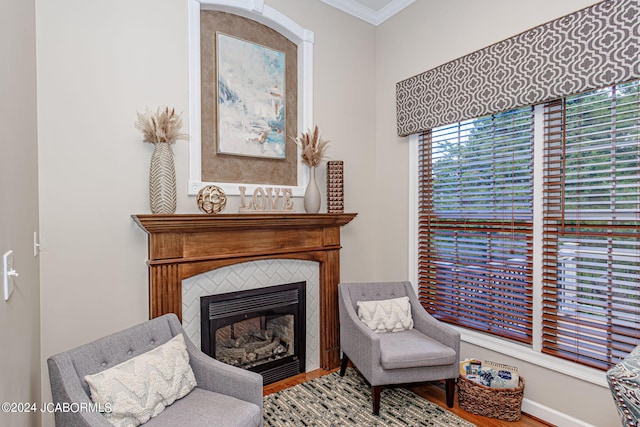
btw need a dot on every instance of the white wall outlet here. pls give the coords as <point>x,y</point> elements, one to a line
<point>8,274</point>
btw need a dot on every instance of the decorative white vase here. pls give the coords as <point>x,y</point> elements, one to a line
<point>162,180</point>
<point>312,193</point>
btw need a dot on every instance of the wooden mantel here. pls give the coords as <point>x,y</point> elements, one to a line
<point>184,245</point>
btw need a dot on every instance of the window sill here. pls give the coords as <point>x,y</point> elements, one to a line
<point>522,352</point>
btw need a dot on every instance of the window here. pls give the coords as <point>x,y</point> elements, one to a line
<point>591,272</point>
<point>476,223</point>
<point>476,218</point>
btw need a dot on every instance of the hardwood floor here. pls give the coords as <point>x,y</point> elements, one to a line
<point>432,392</point>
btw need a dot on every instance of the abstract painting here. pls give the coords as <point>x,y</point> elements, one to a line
<point>251,99</point>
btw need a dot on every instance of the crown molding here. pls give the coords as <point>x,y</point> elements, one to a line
<point>374,17</point>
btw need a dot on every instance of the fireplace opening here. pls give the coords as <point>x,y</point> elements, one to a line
<point>262,330</point>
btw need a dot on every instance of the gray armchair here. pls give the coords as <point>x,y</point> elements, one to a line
<point>428,352</point>
<point>224,395</point>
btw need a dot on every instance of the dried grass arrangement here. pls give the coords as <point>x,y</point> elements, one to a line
<point>313,147</point>
<point>163,125</point>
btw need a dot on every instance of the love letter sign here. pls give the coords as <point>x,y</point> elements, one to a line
<point>266,200</point>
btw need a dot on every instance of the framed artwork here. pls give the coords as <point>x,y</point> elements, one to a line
<point>251,98</point>
<point>250,92</point>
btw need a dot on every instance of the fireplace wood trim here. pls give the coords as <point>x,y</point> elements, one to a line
<point>183,245</point>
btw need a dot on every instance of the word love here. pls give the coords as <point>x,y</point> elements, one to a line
<point>263,197</point>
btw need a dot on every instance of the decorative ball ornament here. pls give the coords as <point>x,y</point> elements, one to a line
<point>211,199</point>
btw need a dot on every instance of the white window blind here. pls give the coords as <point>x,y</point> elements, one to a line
<point>475,223</point>
<point>591,271</point>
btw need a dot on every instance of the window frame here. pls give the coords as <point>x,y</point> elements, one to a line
<point>530,353</point>
<point>588,205</point>
<point>491,220</point>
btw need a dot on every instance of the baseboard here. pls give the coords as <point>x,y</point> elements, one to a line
<point>551,416</point>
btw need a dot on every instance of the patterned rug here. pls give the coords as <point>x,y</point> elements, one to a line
<point>332,400</point>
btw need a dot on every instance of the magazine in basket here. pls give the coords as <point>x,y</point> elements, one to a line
<point>490,374</point>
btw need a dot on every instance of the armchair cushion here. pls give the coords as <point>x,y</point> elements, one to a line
<point>141,387</point>
<point>201,408</point>
<point>389,315</point>
<point>411,349</point>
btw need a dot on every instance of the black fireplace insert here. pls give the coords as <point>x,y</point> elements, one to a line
<point>262,330</point>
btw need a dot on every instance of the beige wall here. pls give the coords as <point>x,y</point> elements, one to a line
<point>344,110</point>
<point>20,315</point>
<point>97,65</point>
<point>421,37</point>
<point>100,63</point>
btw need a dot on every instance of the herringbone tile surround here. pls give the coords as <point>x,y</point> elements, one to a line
<point>253,275</point>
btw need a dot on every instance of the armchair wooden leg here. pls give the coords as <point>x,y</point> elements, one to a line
<point>451,388</point>
<point>375,395</point>
<point>343,365</point>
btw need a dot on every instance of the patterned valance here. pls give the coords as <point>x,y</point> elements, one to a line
<point>589,49</point>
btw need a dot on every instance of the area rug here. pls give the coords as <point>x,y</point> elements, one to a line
<point>332,400</point>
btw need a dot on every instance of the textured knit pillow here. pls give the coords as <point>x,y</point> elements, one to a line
<point>143,386</point>
<point>389,315</point>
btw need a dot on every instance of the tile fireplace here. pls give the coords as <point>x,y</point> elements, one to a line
<point>184,245</point>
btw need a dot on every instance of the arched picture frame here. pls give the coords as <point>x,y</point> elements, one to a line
<point>259,12</point>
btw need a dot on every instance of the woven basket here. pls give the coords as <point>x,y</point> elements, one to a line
<point>501,403</point>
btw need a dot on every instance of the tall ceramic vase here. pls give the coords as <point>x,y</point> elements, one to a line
<point>162,180</point>
<point>312,193</point>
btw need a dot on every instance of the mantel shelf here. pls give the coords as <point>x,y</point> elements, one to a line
<point>187,223</point>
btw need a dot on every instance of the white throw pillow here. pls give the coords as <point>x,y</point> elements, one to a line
<point>389,315</point>
<point>143,386</point>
